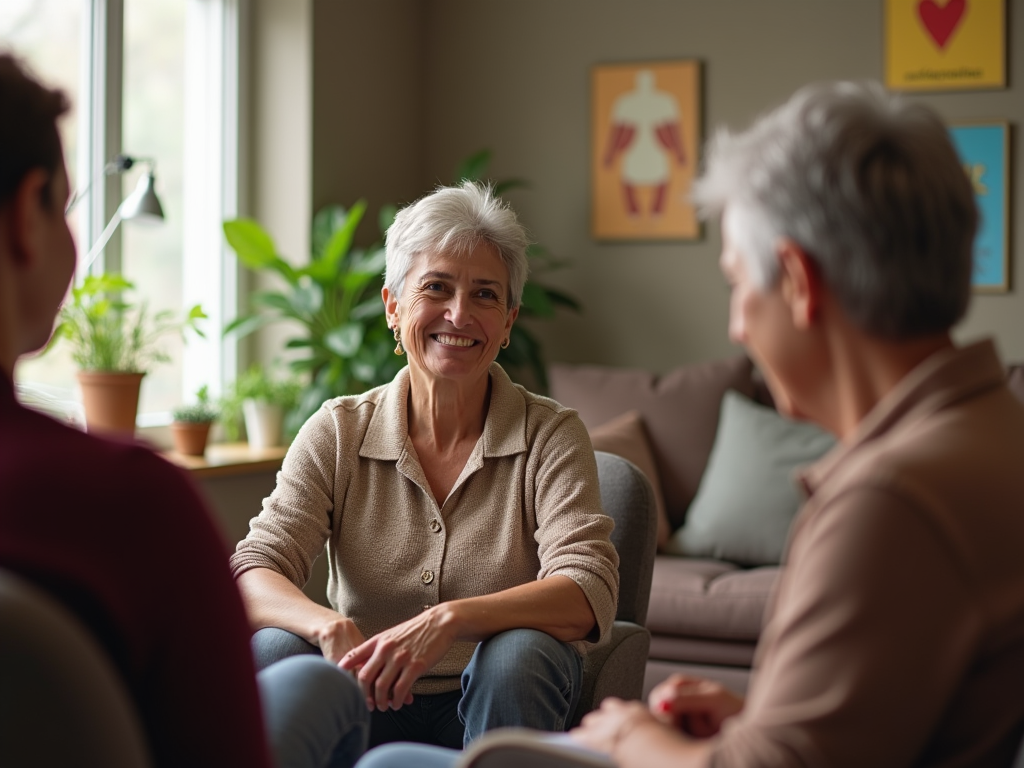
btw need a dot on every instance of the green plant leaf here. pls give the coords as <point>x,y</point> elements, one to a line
<point>252,243</point>
<point>307,298</point>
<point>536,301</point>
<point>503,186</point>
<point>246,324</point>
<point>474,167</point>
<point>562,299</point>
<point>386,217</point>
<point>274,300</point>
<point>340,242</point>
<point>326,221</point>
<point>371,263</point>
<point>345,339</point>
<point>370,308</point>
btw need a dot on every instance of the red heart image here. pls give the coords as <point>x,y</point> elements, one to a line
<point>941,21</point>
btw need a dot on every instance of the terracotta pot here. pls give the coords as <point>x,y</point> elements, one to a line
<point>190,437</point>
<point>111,401</point>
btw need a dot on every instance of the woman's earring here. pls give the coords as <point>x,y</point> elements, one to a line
<point>506,342</point>
<point>398,342</point>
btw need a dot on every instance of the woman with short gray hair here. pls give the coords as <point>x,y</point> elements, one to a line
<point>470,564</point>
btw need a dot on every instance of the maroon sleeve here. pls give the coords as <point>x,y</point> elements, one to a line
<point>197,681</point>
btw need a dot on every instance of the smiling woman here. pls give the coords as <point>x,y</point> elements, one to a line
<point>424,486</point>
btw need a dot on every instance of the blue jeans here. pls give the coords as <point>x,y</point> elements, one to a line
<point>313,713</point>
<point>519,678</point>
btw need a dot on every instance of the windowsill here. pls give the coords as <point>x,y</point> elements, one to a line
<point>225,459</point>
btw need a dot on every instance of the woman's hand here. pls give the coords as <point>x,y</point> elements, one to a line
<point>605,727</point>
<point>695,706</point>
<point>388,664</point>
<point>338,637</point>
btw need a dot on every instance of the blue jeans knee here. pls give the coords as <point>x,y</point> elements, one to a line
<point>314,713</point>
<point>520,678</point>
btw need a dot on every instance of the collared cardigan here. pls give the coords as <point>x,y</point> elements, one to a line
<point>527,506</point>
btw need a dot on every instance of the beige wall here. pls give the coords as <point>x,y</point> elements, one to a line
<point>404,89</point>
<point>368,106</point>
<point>277,125</point>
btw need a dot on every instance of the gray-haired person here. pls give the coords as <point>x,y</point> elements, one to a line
<point>896,633</point>
<point>470,564</point>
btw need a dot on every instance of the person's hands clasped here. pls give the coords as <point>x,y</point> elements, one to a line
<point>606,726</point>
<point>338,637</point>
<point>387,665</point>
<point>692,705</point>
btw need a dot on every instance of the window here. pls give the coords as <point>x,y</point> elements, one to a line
<point>135,90</point>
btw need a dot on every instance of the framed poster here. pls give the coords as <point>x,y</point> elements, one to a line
<point>943,45</point>
<point>984,147</point>
<point>645,138</point>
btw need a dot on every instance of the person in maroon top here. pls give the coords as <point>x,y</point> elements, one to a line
<point>118,535</point>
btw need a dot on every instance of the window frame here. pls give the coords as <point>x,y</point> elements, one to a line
<point>213,149</point>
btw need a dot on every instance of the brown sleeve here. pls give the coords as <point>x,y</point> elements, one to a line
<point>295,523</point>
<point>572,529</point>
<point>872,632</point>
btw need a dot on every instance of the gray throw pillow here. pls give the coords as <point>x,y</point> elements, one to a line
<point>747,497</point>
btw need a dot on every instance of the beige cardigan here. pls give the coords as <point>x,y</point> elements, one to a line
<point>526,506</point>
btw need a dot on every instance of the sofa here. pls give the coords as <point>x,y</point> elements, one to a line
<point>721,465</point>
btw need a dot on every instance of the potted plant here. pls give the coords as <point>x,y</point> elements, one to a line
<point>190,429</point>
<point>343,340</point>
<point>261,401</point>
<point>114,342</point>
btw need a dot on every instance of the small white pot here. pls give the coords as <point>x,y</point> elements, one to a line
<point>263,422</point>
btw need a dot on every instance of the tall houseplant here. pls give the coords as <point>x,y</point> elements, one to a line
<point>334,304</point>
<point>524,354</point>
<point>114,342</point>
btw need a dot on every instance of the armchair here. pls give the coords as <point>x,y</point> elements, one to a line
<point>617,667</point>
<point>61,700</point>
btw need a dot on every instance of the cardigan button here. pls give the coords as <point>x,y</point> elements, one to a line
<point>427,576</point>
<point>435,526</point>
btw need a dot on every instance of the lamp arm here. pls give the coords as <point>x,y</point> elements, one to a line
<point>119,164</point>
<point>105,235</point>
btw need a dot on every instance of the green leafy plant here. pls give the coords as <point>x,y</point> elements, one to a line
<point>107,332</point>
<point>343,340</point>
<point>255,383</point>
<point>202,411</point>
<point>524,354</point>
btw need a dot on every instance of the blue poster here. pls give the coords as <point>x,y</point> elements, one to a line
<point>983,150</point>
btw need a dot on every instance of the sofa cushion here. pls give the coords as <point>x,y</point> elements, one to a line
<point>693,597</point>
<point>698,650</point>
<point>679,409</point>
<point>748,495</point>
<point>625,436</point>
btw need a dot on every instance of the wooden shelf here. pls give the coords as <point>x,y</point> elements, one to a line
<point>223,459</point>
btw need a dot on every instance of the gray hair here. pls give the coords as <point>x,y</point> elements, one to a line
<point>870,186</point>
<point>457,219</point>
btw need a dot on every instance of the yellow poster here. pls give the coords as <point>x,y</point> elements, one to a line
<point>945,44</point>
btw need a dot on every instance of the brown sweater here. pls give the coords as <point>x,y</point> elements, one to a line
<point>896,637</point>
<point>526,506</point>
